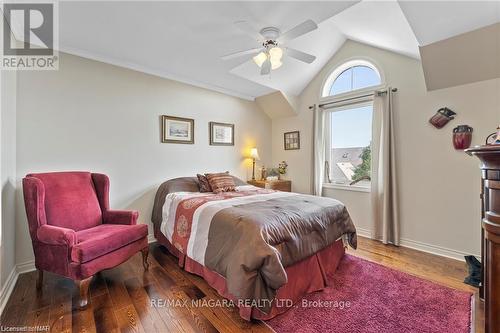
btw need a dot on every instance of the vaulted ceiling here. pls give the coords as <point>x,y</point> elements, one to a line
<point>185,40</point>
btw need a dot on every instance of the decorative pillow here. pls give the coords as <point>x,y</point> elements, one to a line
<point>203,183</point>
<point>221,182</point>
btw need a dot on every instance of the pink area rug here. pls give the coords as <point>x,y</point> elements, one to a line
<point>367,297</point>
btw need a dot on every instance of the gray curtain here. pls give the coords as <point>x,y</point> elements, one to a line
<point>384,178</point>
<point>318,168</point>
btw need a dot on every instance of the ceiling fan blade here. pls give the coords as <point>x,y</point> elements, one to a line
<point>249,30</point>
<point>299,55</point>
<point>266,67</point>
<point>301,29</point>
<point>241,53</point>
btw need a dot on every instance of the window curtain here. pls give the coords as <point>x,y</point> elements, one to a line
<point>319,141</point>
<point>384,176</point>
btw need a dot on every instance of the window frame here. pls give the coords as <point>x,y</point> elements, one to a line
<point>339,69</point>
<point>357,96</point>
<point>363,186</point>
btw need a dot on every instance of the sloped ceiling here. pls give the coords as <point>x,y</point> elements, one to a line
<point>185,40</point>
<point>470,57</point>
<point>433,21</point>
<point>459,44</point>
<point>276,105</point>
<point>380,24</point>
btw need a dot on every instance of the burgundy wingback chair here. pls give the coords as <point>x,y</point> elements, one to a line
<point>73,231</point>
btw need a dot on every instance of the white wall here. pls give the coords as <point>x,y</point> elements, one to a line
<point>97,117</point>
<point>439,186</point>
<point>8,174</point>
<point>358,205</point>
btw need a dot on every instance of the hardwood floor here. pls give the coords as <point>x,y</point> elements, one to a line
<point>121,297</point>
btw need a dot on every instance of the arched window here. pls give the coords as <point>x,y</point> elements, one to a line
<point>351,76</point>
<point>348,127</point>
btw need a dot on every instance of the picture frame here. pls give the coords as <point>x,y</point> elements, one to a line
<point>291,140</point>
<point>221,134</point>
<point>177,130</point>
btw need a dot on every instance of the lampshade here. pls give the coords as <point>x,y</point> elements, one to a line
<point>276,53</point>
<point>260,58</point>
<point>254,153</point>
<point>275,64</point>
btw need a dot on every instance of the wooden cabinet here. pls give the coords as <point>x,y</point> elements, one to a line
<point>280,185</point>
<point>490,242</point>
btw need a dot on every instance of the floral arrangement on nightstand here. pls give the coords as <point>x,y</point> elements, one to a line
<point>282,166</point>
<point>273,173</point>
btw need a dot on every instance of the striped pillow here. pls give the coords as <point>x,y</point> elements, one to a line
<point>203,183</point>
<point>221,182</point>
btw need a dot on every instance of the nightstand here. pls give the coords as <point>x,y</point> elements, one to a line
<point>280,185</point>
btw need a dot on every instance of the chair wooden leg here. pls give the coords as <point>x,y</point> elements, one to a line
<point>83,286</point>
<point>39,281</point>
<point>145,253</point>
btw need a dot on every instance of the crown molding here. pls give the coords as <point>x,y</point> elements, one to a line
<point>140,68</point>
<point>154,72</point>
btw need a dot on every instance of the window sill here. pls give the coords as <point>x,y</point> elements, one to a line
<point>344,187</point>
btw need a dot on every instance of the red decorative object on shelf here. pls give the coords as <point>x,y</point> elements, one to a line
<point>462,137</point>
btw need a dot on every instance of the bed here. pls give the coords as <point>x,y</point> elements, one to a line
<point>261,249</point>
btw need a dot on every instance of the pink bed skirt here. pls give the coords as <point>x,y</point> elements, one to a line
<point>299,282</point>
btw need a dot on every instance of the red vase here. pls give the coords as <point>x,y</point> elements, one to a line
<point>462,137</point>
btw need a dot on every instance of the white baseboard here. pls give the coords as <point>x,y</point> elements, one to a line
<point>8,288</point>
<point>364,232</point>
<point>26,267</point>
<point>424,247</point>
<point>435,249</point>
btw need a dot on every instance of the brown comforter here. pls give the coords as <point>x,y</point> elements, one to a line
<point>251,243</point>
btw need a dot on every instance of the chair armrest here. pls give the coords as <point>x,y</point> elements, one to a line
<point>34,202</point>
<point>121,217</point>
<point>53,235</point>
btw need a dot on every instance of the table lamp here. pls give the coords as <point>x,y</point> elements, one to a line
<point>254,154</point>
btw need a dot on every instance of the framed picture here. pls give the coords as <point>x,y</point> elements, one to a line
<point>177,130</point>
<point>221,134</point>
<point>292,140</point>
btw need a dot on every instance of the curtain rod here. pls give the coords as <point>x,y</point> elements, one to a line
<point>380,92</point>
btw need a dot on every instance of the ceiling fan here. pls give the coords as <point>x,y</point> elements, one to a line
<point>273,42</point>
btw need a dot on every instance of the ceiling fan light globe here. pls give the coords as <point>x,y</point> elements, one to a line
<point>260,58</point>
<point>276,53</point>
<point>275,63</point>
